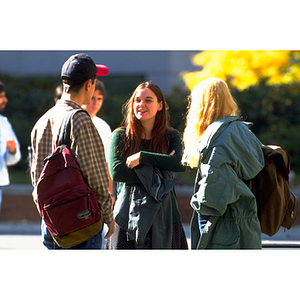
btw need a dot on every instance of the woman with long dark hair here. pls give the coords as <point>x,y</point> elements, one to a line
<point>143,154</point>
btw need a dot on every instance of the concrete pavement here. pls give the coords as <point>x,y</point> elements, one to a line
<point>27,236</point>
<point>20,236</point>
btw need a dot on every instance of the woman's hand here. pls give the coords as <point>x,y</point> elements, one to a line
<point>133,160</point>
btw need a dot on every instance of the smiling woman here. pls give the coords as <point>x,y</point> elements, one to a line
<point>145,107</point>
<point>146,145</point>
<point>136,131</point>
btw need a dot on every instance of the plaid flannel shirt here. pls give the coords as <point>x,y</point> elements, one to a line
<point>86,146</point>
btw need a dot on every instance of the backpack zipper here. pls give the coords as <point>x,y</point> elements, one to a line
<point>60,204</point>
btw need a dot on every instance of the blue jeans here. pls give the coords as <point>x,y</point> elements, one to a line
<point>202,220</point>
<point>94,242</point>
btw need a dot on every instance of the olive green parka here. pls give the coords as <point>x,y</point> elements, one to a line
<point>229,153</point>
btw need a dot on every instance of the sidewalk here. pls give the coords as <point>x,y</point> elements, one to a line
<point>27,236</point>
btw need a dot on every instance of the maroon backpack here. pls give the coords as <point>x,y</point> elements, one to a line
<point>66,203</point>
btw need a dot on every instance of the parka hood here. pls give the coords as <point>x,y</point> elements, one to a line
<point>230,141</point>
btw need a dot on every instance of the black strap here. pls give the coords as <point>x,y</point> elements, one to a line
<point>65,129</point>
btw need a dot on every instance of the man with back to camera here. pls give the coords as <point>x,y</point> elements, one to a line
<point>10,153</point>
<point>78,76</point>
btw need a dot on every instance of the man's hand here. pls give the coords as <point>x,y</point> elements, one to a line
<point>111,229</point>
<point>11,146</point>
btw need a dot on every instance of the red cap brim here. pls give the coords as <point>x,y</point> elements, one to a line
<point>102,70</point>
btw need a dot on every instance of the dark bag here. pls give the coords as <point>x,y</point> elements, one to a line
<point>65,201</point>
<point>277,205</point>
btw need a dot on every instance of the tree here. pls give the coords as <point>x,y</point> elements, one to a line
<point>244,68</point>
<point>265,85</point>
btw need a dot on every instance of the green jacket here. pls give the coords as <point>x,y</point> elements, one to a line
<point>122,175</point>
<point>230,153</point>
<point>146,205</point>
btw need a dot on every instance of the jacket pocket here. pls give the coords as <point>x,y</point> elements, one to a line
<point>225,236</point>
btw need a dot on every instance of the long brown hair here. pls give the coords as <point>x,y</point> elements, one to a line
<point>134,130</point>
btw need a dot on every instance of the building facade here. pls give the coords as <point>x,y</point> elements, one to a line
<point>162,67</point>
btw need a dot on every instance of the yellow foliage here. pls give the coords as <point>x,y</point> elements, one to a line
<point>244,68</point>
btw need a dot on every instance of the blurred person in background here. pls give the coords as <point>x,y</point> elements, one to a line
<point>103,128</point>
<point>10,153</point>
<point>58,92</point>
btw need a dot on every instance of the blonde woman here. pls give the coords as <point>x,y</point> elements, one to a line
<point>225,152</point>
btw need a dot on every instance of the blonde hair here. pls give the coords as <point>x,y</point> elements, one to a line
<point>209,101</point>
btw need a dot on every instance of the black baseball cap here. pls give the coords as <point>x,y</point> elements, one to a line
<point>80,67</point>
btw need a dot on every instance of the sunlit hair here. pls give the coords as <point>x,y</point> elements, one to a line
<point>209,101</point>
<point>134,130</point>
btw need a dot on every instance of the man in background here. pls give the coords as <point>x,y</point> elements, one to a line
<point>93,108</point>
<point>10,153</point>
<point>103,128</point>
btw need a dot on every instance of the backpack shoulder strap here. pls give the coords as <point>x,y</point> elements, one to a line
<point>279,156</point>
<point>65,129</point>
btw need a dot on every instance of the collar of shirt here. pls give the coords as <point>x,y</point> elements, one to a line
<point>64,103</point>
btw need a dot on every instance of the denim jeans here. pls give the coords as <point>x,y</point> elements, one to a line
<point>202,220</point>
<point>95,242</point>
